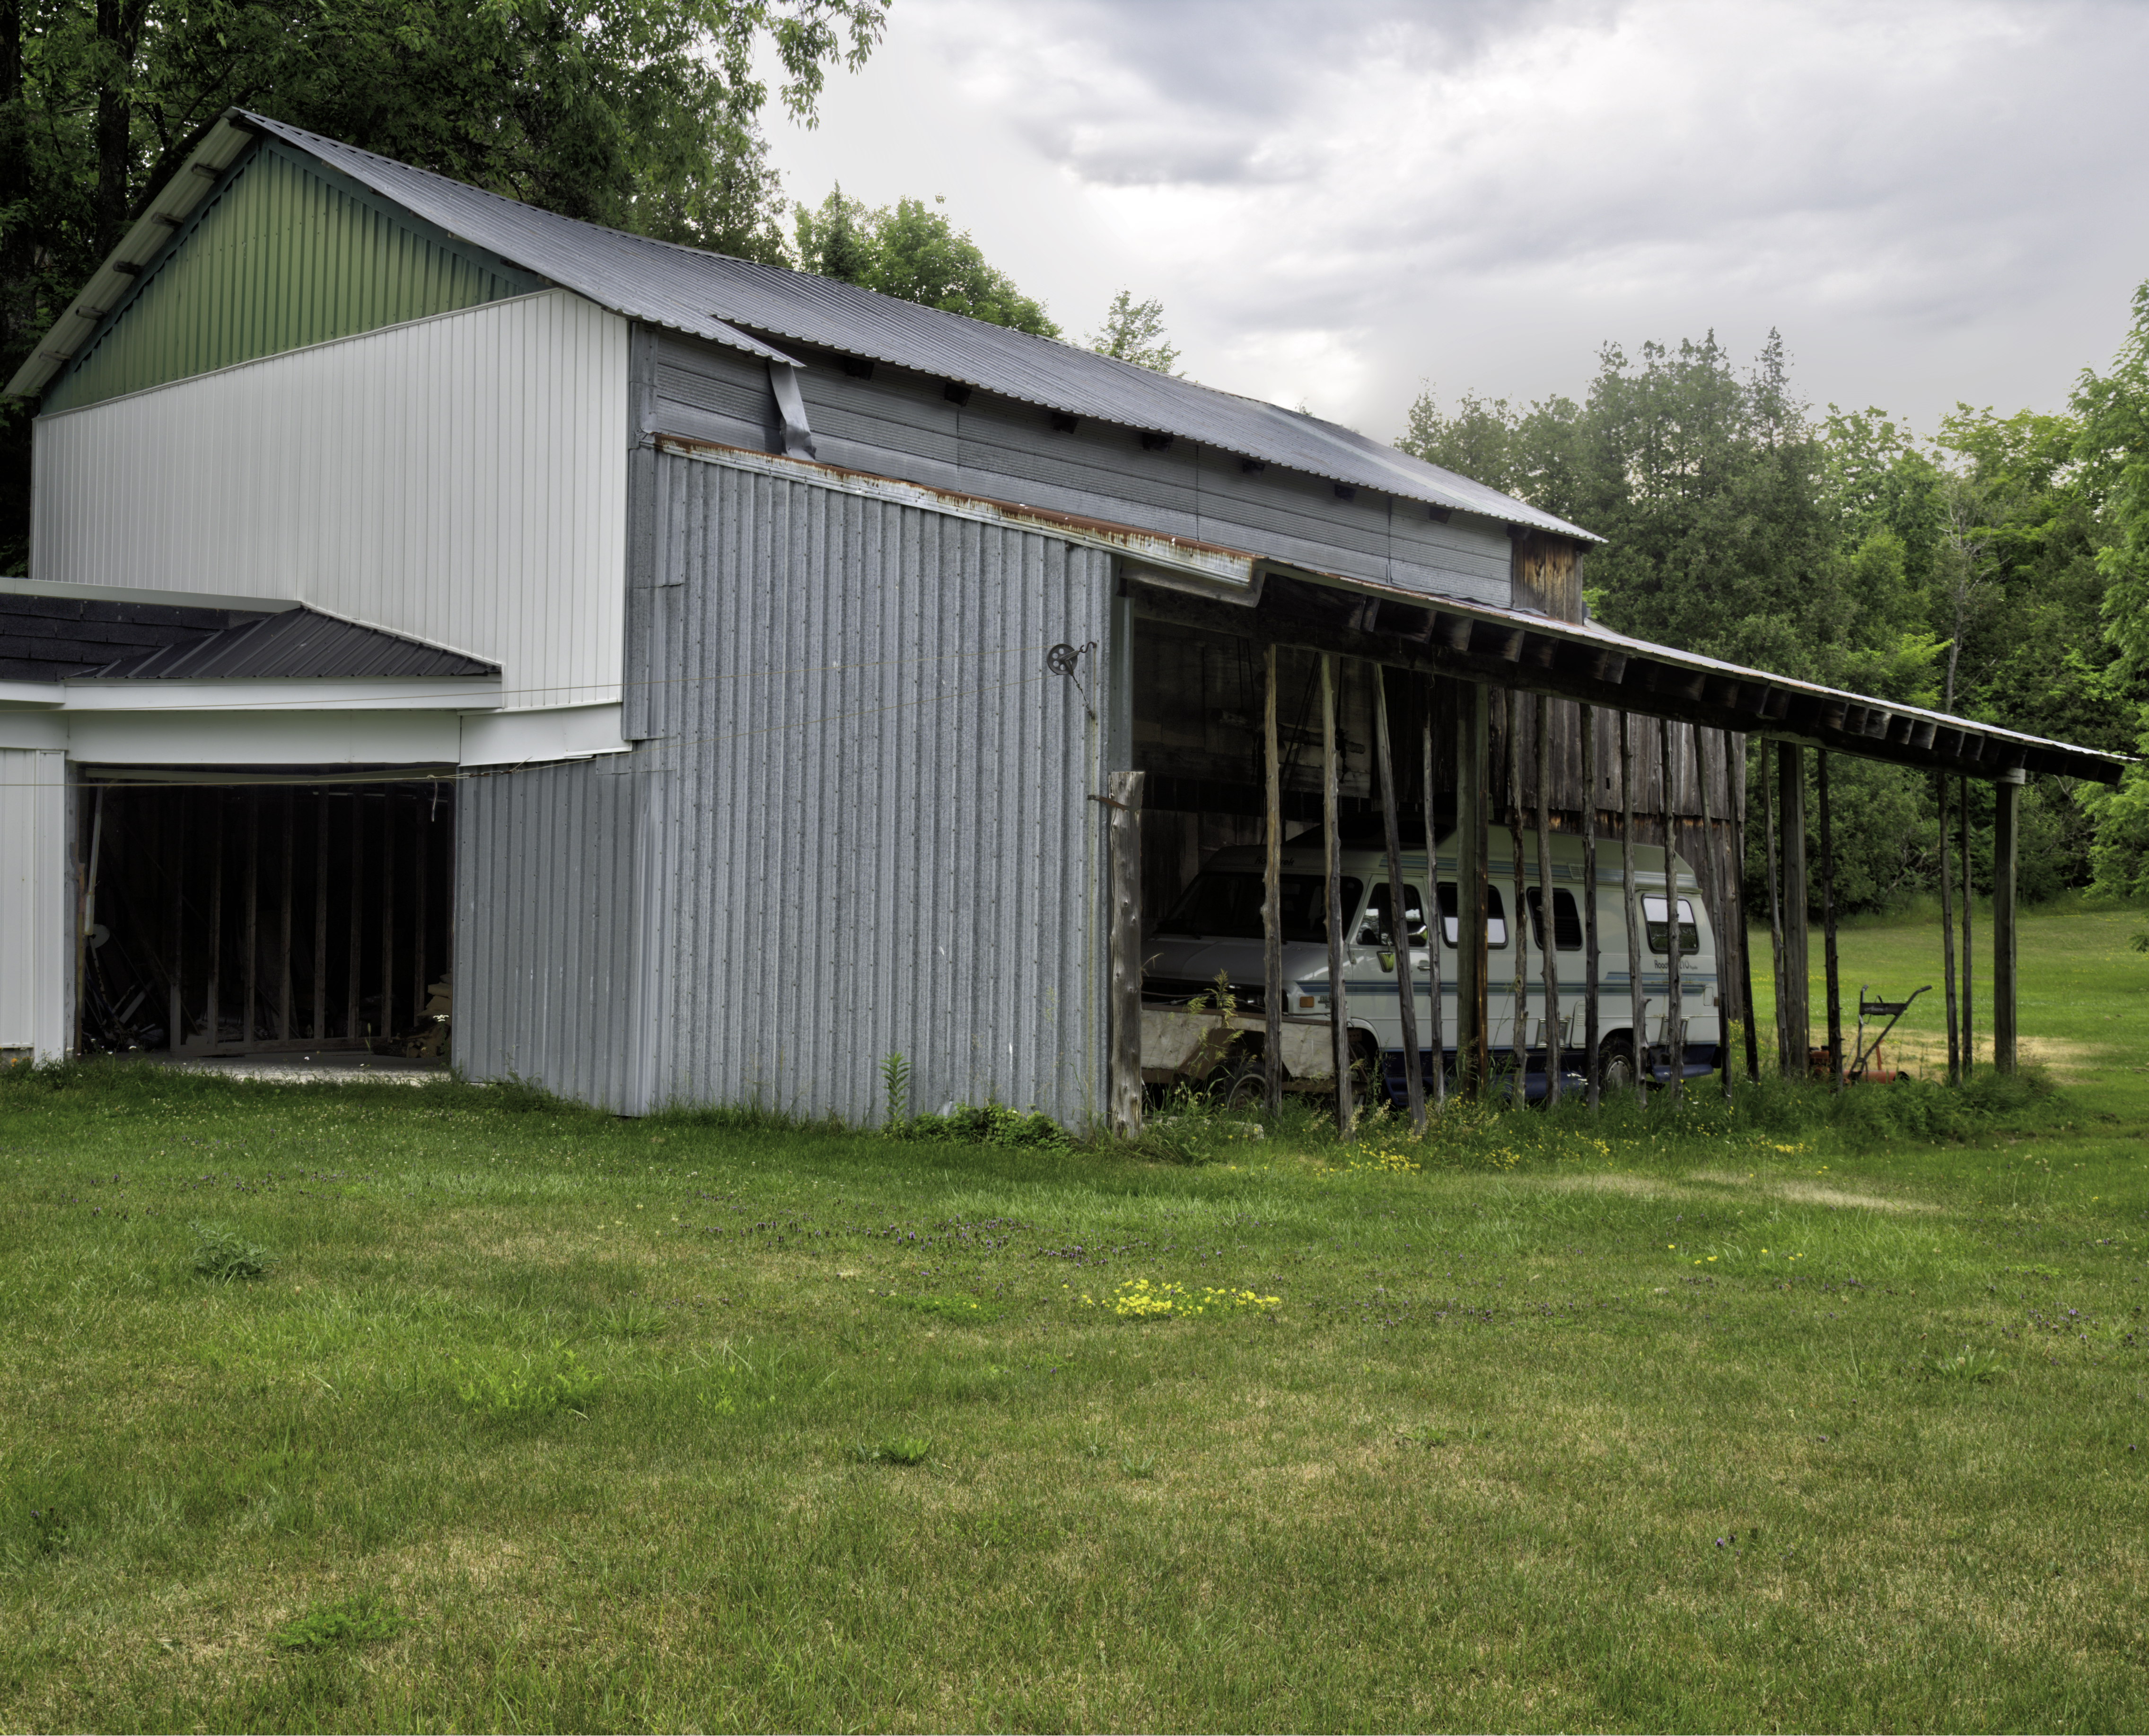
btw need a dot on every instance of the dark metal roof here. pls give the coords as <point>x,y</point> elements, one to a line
<point>713,296</point>
<point>57,639</point>
<point>62,638</point>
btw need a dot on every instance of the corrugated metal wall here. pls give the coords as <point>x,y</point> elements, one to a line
<point>461,479</point>
<point>36,928</point>
<point>877,834</point>
<point>547,928</point>
<point>280,257</point>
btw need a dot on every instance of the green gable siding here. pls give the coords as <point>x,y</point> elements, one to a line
<point>282,255</point>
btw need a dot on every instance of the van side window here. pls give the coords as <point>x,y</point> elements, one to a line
<point>1653,918</point>
<point>1374,930</point>
<point>1566,920</point>
<point>1496,916</point>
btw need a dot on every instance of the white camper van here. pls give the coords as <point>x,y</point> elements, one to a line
<point>1216,927</point>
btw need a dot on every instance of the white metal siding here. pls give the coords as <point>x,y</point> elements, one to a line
<point>461,479</point>
<point>35,927</point>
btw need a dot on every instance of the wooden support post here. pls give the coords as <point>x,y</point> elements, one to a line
<point>283,925</point>
<point>419,975</point>
<point>1518,915</point>
<point>176,1029</point>
<point>1472,960</point>
<point>1734,769</point>
<point>1124,1082</point>
<point>1969,893</point>
<point>2004,830</point>
<point>1828,922</point>
<point>1638,1008</point>
<point>1714,883</point>
<point>1548,908</point>
<point>251,884</point>
<point>1947,941</point>
<point>1674,1003</point>
<point>1331,856</point>
<point>1274,988</point>
<point>355,855</point>
<point>387,916</point>
<point>1592,1032</point>
<point>1398,916</point>
<point>214,1033</point>
<point>1436,1037</point>
<point>319,1028</point>
<point>1791,794</point>
<point>1773,868</point>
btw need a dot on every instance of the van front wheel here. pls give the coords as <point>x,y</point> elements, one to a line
<point>1615,1064</point>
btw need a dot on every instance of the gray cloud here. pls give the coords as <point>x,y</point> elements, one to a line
<point>1932,200</point>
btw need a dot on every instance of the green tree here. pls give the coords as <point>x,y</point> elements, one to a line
<point>1134,332</point>
<point>641,114</point>
<point>2112,451</point>
<point>912,251</point>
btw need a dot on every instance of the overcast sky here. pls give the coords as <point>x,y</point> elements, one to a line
<point>1336,201</point>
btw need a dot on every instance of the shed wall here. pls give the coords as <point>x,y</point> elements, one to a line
<point>547,934</point>
<point>901,424</point>
<point>36,928</point>
<point>460,479</point>
<point>878,837</point>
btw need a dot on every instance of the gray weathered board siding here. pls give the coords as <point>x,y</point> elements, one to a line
<point>877,838</point>
<point>547,920</point>
<point>900,425</point>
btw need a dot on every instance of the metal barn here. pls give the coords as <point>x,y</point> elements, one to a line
<point>684,680</point>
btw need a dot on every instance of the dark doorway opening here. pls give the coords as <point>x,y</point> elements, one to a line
<point>247,917</point>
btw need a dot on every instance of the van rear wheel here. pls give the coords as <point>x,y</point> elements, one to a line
<point>1615,1063</point>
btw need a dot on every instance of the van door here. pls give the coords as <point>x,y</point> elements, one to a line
<point>1567,951</point>
<point>1374,965</point>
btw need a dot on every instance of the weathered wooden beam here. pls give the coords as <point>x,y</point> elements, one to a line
<point>420,976</point>
<point>1791,796</point>
<point>2005,793</point>
<point>176,1026</point>
<point>1637,1006</point>
<point>283,927</point>
<point>1469,648</point>
<point>1969,898</point>
<point>1518,915</point>
<point>1674,1003</point>
<point>1828,922</point>
<point>1473,962</point>
<point>1436,1038</point>
<point>355,926</point>
<point>252,888</point>
<point>1398,917</point>
<point>1123,1084</point>
<point>1274,989</point>
<point>1555,1047</point>
<point>1774,869</point>
<point>320,1028</point>
<point>1331,856</point>
<point>387,918</point>
<point>1715,882</point>
<point>214,1033</point>
<point>1735,770</point>
<point>1947,938</point>
<point>1591,1023</point>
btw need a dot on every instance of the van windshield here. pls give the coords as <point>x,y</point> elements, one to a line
<point>1227,906</point>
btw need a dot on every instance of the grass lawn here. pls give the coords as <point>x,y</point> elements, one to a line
<point>1821,1416</point>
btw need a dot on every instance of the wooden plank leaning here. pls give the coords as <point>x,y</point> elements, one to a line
<point>1548,909</point>
<point>1274,988</point>
<point>1638,1008</point>
<point>1592,1031</point>
<point>1398,914</point>
<point>1123,1081</point>
<point>1436,1038</point>
<point>1332,853</point>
